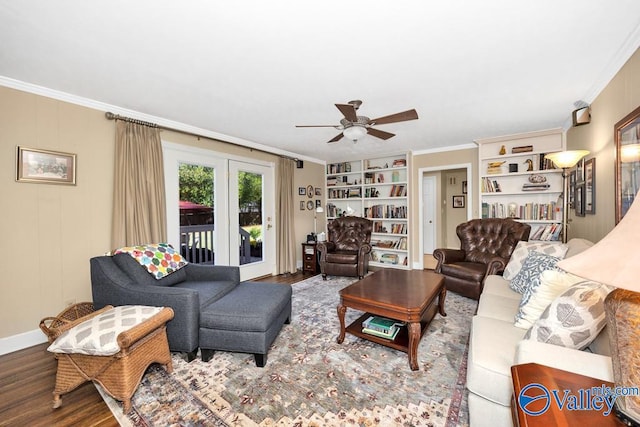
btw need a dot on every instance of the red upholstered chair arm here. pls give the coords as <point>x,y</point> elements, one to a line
<point>447,256</point>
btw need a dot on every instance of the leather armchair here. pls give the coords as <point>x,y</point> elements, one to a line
<point>486,246</point>
<point>346,251</point>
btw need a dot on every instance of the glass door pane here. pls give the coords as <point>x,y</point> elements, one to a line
<point>250,189</point>
<point>197,213</point>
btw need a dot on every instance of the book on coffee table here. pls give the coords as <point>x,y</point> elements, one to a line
<point>391,335</point>
<point>381,324</point>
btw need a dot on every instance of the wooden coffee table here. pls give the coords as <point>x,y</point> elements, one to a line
<point>411,296</point>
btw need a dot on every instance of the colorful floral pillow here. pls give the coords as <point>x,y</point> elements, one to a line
<point>159,259</point>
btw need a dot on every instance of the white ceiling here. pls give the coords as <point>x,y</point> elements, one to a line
<point>249,71</point>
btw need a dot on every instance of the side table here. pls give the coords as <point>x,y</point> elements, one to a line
<point>310,258</point>
<point>568,386</point>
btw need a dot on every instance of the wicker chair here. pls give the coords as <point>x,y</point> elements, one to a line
<point>119,374</point>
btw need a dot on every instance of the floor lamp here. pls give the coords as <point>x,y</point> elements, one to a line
<point>566,160</point>
<point>613,261</point>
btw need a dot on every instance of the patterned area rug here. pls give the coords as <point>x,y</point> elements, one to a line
<point>310,380</point>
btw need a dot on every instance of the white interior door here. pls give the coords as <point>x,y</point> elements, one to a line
<point>429,203</point>
<point>251,219</point>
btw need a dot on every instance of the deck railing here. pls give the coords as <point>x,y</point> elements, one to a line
<point>196,244</point>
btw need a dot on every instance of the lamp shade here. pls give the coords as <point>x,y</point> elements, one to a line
<point>354,132</point>
<point>611,260</point>
<point>566,159</point>
<point>630,153</point>
<point>319,209</point>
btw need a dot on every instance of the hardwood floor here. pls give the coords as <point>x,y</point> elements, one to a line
<point>27,378</point>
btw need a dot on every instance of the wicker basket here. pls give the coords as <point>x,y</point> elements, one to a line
<point>119,374</point>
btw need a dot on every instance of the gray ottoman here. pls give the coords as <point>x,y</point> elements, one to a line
<point>246,320</point>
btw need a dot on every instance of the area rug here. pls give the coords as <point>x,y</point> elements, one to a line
<point>310,380</point>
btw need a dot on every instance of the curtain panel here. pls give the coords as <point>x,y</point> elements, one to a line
<point>286,241</point>
<point>139,206</point>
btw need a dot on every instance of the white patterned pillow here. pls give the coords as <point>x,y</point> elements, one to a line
<point>529,275</point>
<point>552,284</point>
<point>98,335</point>
<point>522,249</point>
<point>573,319</point>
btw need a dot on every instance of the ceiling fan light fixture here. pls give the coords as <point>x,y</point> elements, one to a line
<point>355,132</point>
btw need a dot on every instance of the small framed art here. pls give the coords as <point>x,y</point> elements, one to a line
<point>458,201</point>
<point>50,167</point>
<point>590,186</point>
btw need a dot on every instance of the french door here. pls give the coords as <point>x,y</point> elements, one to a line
<point>219,210</point>
<point>251,218</point>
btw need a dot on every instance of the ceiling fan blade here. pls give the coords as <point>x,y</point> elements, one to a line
<point>380,133</point>
<point>394,118</point>
<point>316,126</point>
<point>348,111</point>
<point>337,138</point>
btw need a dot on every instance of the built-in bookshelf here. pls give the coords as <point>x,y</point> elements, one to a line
<point>516,181</point>
<point>375,188</point>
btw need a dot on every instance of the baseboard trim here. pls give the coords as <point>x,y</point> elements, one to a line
<point>21,341</point>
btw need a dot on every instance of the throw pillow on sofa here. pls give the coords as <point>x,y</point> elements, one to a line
<point>522,250</point>
<point>528,277</point>
<point>552,284</point>
<point>573,319</point>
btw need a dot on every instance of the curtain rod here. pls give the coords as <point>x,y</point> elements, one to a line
<point>111,116</point>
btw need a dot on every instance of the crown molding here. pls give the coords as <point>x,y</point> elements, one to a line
<point>444,149</point>
<point>101,106</point>
<point>620,57</point>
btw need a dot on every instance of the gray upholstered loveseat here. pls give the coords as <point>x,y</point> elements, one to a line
<point>213,309</point>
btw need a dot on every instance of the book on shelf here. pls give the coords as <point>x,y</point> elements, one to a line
<point>389,258</point>
<point>547,232</point>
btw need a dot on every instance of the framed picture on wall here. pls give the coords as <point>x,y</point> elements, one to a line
<point>590,186</point>
<point>572,190</point>
<point>458,201</point>
<point>579,199</point>
<point>302,191</point>
<point>45,166</point>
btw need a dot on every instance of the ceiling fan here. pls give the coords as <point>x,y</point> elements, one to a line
<point>354,127</point>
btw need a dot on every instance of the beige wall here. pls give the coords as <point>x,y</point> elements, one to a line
<point>444,160</point>
<point>310,174</point>
<point>49,232</point>
<point>619,98</point>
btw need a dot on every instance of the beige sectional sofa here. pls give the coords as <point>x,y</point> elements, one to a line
<point>496,344</point>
